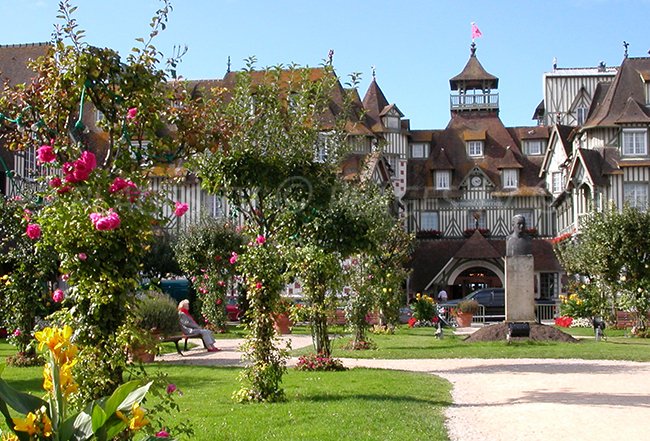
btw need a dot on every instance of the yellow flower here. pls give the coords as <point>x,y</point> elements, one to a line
<point>57,341</point>
<point>9,437</point>
<point>27,424</point>
<point>34,423</point>
<point>138,420</point>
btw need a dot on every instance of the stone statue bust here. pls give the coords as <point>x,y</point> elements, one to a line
<point>518,242</point>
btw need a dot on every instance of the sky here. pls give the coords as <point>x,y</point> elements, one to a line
<point>415,46</point>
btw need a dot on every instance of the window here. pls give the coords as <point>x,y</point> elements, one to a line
<point>475,148</point>
<point>393,161</point>
<point>217,206</point>
<point>548,283</point>
<point>581,115</point>
<point>429,220</point>
<point>510,178</point>
<point>634,142</point>
<point>419,150</point>
<point>636,195</point>
<point>534,146</point>
<point>443,179</point>
<point>477,219</point>
<point>321,148</point>
<point>391,122</point>
<point>557,182</point>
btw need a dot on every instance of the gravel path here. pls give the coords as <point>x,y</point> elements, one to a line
<point>516,399</point>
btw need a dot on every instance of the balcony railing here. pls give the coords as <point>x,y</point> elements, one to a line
<point>485,101</point>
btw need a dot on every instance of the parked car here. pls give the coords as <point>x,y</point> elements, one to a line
<point>232,309</point>
<point>494,302</point>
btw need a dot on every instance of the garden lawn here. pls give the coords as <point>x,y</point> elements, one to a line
<point>351,405</point>
<point>421,343</point>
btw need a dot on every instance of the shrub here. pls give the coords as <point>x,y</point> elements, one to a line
<point>468,306</point>
<point>156,312</point>
<point>317,362</point>
<point>423,307</point>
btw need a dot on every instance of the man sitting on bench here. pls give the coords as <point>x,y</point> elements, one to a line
<point>190,327</point>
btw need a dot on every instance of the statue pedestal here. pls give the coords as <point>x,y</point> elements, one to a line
<point>520,290</point>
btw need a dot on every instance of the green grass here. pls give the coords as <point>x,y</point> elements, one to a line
<point>421,343</point>
<point>350,405</point>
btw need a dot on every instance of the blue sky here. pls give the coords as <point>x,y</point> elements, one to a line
<point>415,45</point>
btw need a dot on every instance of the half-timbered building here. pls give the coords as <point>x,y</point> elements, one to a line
<point>605,160</point>
<point>464,185</point>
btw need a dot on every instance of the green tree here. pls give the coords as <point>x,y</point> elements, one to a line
<point>269,170</point>
<point>376,273</point>
<point>610,258</point>
<point>203,252</point>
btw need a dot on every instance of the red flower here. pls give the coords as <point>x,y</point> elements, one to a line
<point>180,208</point>
<point>33,231</point>
<point>412,321</point>
<point>46,154</point>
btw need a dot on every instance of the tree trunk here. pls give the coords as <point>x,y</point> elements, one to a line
<point>320,335</point>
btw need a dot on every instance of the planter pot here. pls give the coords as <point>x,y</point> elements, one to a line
<point>282,324</point>
<point>464,319</point>
<point>143,355</point>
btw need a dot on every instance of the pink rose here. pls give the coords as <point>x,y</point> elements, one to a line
<point>233,258</point>
<point>105,222</point>
<point>125,186</point>
<point>132,113</point>
<point>181,208</point>
<point>260,239</point>
<point>58,296</point>
<point>162,434</point>
<point>171,388</point>
<point>46,154</point>
<point>17,332</point>
<point>82,256</point>
<point>33,231</point>
<point>80,169</point>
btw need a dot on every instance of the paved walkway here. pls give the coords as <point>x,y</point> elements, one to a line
<point>514,399</point>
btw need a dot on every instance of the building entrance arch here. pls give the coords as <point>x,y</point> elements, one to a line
<point>474,275</point>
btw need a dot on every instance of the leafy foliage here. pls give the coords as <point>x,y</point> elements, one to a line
<point>268,169</point>
<point>203,252</point>
<point>28,274</point>
<point>611,262</point>
<point>156,312</point>
<point>98,218</point>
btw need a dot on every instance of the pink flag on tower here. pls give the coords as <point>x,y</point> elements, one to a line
<point>476,32</point>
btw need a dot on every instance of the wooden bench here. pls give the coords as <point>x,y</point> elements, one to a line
<point>176,338</point>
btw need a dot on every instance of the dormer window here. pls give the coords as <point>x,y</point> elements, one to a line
<point>534,146</point>
<point>443,179</point>
<point>475,148</point>
<point>510,177</point>
<point>581,115</point>
<point>634,142</point>
<point>391,122</point>
<point>419,150</point>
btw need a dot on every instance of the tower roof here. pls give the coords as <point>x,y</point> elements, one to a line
<point>474,76</point>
